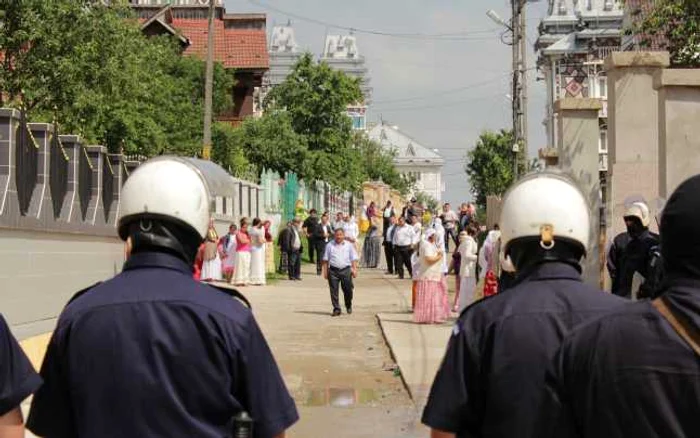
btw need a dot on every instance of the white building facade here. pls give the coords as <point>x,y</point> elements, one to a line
<point>412,159</point>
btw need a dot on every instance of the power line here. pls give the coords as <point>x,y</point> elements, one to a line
<point>444,92</point>
<point>456,36</point>
<point>436,106</point>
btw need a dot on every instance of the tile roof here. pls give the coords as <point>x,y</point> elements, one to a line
<point>234,48</point>
<point>407,149</point>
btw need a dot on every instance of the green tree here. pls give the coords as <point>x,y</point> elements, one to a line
<point>378,164</point>
<point>430,203</point>
<point>91,67</point>
<point>316,97</point>
<point>490,165</point>
<point>678,23</point>
<point>228,152</point>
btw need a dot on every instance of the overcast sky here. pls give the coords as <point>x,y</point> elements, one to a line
<point>443,92</point>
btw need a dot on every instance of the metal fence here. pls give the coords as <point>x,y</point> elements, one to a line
<point>84,180</point>
<point>26,164</point>
<point>58,173</point>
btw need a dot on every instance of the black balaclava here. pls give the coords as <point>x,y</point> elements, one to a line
<point>680,231</point>
<point>153,235</point>
<point>526,253</point>
<point>635,227</point>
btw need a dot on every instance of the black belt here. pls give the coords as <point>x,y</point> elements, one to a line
<point>333,268</point>
<point>402,246</point>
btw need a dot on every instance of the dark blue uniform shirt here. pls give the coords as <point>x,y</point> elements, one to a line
<point>153,353</point>
<point>628,375</point>
<point>491,381</point>
<point>17,376</point>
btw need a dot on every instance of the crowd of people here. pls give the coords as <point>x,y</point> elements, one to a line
<point>242,257</point>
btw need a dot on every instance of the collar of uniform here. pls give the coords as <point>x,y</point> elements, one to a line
<point>156,260</point>
<point>552,271</point>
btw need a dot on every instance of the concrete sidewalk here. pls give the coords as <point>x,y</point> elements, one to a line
<point>418,349</point>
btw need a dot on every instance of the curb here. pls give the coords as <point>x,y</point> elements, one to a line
<point>393,357</point>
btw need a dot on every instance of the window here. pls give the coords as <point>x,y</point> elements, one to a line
<point>358,121</point>
<point>603,87</point>
<point>416,175</point>
<point>603,143</point>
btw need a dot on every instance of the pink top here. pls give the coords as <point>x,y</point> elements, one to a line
<point>243,242</point>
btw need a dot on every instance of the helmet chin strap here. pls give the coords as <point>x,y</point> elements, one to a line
<point>527,253</point>
<point>150,235</point>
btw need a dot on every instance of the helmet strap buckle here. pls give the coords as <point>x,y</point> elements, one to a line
<point>547,236</point>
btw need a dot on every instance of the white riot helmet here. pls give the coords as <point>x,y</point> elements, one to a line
<point>168,189</point>
<point>548,206</point>
<point>640,210</point>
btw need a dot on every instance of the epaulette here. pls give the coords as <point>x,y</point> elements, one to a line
<point>82,292</point>
<point>232,293</point>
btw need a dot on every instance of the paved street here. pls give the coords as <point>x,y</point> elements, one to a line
<point>341,370</point>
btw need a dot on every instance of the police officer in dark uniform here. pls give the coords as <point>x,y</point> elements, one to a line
<point>491,380</point>
<point>151,352</point>
<point>18,380</point>
<point>630,252</point>
<point>635,372</point>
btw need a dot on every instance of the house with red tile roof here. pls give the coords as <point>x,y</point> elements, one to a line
<point>240,44</point>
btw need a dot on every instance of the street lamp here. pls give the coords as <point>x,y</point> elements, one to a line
<point>493,15</point>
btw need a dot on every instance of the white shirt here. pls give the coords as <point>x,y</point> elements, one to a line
<point>450,219</point>
<point>340,255</point>
<point>296,242</point>
<point>404,235</point>
<point>325,231</point>
<point>387,235</point>
<point>351,231</point>
<point>430,271</point>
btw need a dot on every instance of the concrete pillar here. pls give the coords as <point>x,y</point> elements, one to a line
<point>679,127</point>
<point>578,133</point>
<point>9,120</point>
<point>96,155</point>
<point>119,175</point>
<point>633,131</point>
<point>70,211</point>
<point>41,197</point>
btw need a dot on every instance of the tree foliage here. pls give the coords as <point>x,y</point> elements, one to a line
<point>678,23</point>
<point>90,67</point>
<point>490,165</point>
<point>379,164</point>
<point>315,98</point>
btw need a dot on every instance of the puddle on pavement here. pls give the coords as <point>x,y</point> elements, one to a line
<point>340,397</point>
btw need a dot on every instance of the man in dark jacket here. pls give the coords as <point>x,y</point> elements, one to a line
<point>630,251</point>
<point>635,372</point>
<point>491,381</point>
<point>309,226</point>
<point>292,246</point>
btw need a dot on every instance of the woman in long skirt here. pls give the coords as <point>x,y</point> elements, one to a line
<point>370,248</point>
<point>269,248</point>
<point>241,277</point>
<point>257,253</point>
<point>211,262</point>
<point>468,252</point>
<point>432,305</point>
<point>229,263</point>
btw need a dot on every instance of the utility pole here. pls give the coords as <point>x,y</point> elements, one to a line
<point>519,29</point>
<point>209,85</point>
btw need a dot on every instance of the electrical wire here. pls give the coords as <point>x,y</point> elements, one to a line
<point>455,36</point>
<point>444,92</point>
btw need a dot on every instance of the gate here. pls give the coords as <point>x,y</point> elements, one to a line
<point>290,196</point>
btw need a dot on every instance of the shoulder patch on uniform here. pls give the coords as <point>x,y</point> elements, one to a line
<point>232,293</point>
<point>82,292</point>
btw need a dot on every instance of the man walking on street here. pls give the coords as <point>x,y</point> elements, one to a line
<point>449,221</point>
<point>309,228</point>
<point>323,235</point>
<point>403,240</point>
<point>339,268</point>
<point>293,248</point>
<point>389,245</point>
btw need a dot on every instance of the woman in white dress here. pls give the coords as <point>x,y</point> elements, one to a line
<point>241,275</point>
<point>211,262</point>
<point>467,269</point>
<point>257,253</point>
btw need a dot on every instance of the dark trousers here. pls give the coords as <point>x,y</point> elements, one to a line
<point>294,264</point>
<point>312,248</point>
<point>403,258</point>
<point>342,278</point>
<point>320,248</point>
<point>451,233</point>
<point>389,255</point>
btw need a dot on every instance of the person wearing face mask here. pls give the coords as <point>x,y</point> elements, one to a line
<point>630,250</point>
